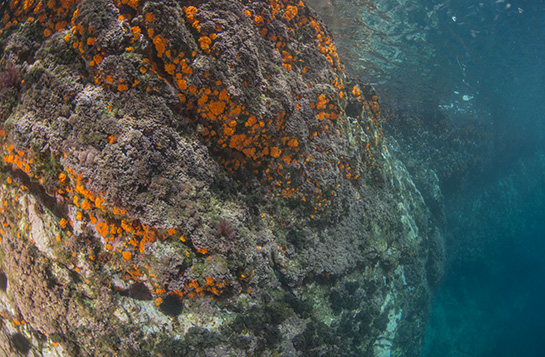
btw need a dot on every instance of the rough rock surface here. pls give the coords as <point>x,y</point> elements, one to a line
<point>200,178</point>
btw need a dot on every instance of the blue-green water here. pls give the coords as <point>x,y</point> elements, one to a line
<point>490,302</point>
<point>481,66</point>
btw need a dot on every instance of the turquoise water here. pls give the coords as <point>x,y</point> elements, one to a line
<point>490,302</point>
<point>479,66</point>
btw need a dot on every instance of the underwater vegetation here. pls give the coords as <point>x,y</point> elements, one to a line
<point>10,77</point>
<point>200,178</point>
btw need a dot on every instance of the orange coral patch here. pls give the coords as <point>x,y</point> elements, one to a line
<point>275,152</point>
<point>102,228</point>
<point>293,142</point>
<point>228,131</point>
<point>205,43</point>
<point>321,102</point>
<point>150,17</point>
<point>202,100</point>
<point>290,13</point>
<point>127,255</point>
<point>160,45</point>
<point>182,84</point>
<point>217,108</point>
<point>224,96</point>
<point>236,140</point>
<point>170,68</point>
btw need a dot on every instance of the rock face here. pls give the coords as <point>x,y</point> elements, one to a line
<point>200,178</point>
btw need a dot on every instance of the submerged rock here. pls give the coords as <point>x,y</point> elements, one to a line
<point>202,179</point>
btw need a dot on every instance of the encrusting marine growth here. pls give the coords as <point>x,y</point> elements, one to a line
<point>259,141</point>
<point>189,156</point>
<point>248,134</point>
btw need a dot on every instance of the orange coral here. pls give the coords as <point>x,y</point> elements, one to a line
<point>217,108</point>
<point>205,43</point>
<point>63,223</point>
<point>150,17</point>
<point>160,45</point>
<point>275,152</point>
<point>290,12</point>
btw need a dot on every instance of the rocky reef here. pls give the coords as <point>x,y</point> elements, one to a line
<point>200,178</point>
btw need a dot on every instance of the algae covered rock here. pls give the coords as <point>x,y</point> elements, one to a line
<point>200,178</point>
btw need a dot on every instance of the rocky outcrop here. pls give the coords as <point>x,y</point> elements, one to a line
<point>200,179</point>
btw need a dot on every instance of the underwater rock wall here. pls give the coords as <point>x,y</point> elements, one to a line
<point>200,178</point>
